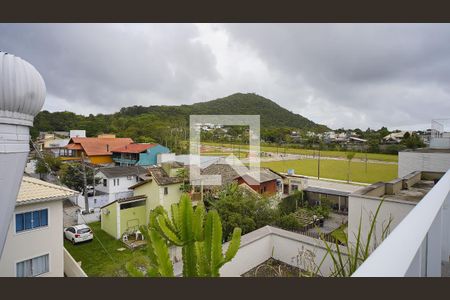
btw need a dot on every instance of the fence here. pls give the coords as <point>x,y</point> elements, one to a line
<point>71,267</point>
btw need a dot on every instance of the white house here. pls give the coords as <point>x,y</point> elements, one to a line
<point>114,184</point>
<point>34,243</point>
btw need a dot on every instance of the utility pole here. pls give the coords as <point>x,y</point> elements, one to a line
<point>318,165</point>
<point>86,200</point>
<point>366,161</point>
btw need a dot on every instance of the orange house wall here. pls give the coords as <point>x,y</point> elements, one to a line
<point>101,159</point>
<point>271,186</point>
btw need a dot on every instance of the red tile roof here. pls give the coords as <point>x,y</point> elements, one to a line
<point>133,148</point>
<point>98,146</point>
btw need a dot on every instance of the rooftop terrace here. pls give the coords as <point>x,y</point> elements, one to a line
<point>412,187</point>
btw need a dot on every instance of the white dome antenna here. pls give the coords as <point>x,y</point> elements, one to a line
<point>22,95</point>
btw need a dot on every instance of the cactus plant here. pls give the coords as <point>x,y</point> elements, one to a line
<point>200,239</point>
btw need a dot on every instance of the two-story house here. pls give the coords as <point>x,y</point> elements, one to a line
<point>96,150</point>
<point>163,187</point>
<point>115,182</point>
<point>138,154</point>
<point>34,244</point>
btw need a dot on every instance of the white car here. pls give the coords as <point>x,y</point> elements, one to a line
<point>78,233</point>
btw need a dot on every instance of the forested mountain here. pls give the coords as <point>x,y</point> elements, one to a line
<point>154,122</point>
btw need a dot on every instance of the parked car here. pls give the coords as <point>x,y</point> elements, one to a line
<point>78,233</point>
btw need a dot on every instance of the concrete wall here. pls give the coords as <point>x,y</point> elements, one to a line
<point>132,217</point>
<point>109,221</point>
<point>33,243</point>
<point>89,218</point>
<point>71,267</point>
<point>366,207</point>
<point>97,201</point>
<point>416,161</point>
<point>264,243</point>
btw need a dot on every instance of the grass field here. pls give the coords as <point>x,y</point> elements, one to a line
<point>223,153</point>
<point>96,262</point>
<point>328,153</point>
<point>337,169</point>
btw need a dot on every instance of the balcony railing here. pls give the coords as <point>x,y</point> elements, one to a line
<point>419,245</point>
<point>126,161</point>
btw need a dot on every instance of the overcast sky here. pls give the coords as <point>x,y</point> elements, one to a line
<point>340,75</point>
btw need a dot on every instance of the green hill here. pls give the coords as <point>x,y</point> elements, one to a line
<point>139,122</point>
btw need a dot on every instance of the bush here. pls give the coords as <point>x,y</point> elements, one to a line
<point>290,203</point>
<point>289,222</point>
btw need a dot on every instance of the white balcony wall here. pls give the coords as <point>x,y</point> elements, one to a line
<point>419,244</point>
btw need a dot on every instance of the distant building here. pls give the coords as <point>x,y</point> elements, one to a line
<point>269,182</point>
<point>115,183</point>
<point>34,244</point>
<point>395,137</point>
<point>97,150</point>
<point>138,154</point>
<point>57,141</point>
<point>435,158</point>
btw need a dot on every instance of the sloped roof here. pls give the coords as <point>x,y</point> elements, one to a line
<point>133,148</point>
<point>122,171</point>
<point>229,174</point>
<point>98,146</point>
<point>162,178</point>
<point>225,170</point>
<point>34,190</point>
<point>264,175</point>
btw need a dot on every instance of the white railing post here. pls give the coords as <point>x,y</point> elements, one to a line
<point>434,247</point>
<point>416,267</point>
<point>446,229</point>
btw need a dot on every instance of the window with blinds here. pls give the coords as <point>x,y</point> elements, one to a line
<point>33,267</point>
<point>31,220</point>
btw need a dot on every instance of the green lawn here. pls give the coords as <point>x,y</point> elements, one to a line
<point>337,169</point>
<point>96,262</point>
<point>238,154</point>
<point>372,156</point>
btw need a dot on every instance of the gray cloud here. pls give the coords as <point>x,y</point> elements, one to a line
<point>113,65</point>
<point>391,74</point>
<point>351,75</point>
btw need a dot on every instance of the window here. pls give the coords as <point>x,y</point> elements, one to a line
<point>116,181</point>
<point>31,220</point>
<point>105,182</point>
<point>32,267</point>
<point>132,204</point>
<point>166,190</point>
